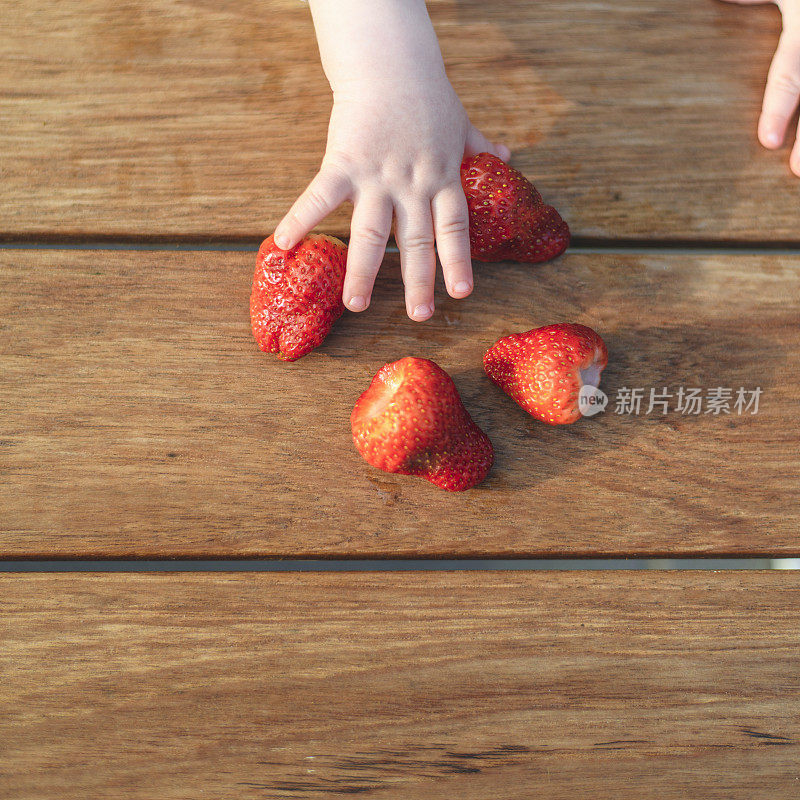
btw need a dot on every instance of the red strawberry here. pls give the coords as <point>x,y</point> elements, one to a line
<point>507,219</point>
<point>297,295</point>
<point>411,421</point>
<point>544,369</point>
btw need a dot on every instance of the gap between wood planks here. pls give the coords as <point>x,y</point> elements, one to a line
<point>393,565</point>
<point>579,244</point>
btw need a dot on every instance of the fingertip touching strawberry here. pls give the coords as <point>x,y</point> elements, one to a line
<point>508,221</point>
<point>544,369</point>
<point>411,421</point>
<point>297,294</point>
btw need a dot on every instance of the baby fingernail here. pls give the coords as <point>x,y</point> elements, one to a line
<point>357,304</point>
<point>462,287</point>
<point>422,312</point>
<point>282,241</point>
<point>772,138</point>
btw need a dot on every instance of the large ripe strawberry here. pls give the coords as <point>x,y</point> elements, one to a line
<point>544,369</point>
<point>411,421</point>
<point>297,295</point>
<point>508,221</point>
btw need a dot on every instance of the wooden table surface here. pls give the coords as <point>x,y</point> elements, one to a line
<point>139,420</point>
<point>435,685</point>
<point>142,419</point>
<point>204,119</point>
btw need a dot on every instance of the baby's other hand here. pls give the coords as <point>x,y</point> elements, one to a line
<point>783,82</point>
<point>396,151</point>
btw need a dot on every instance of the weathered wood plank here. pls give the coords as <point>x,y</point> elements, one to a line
<point>410,686</point>
<point>138,418</point>
<point>204,119</point>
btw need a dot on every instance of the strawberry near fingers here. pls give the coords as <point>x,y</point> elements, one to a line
<point>297,295</point>
<point>508,220</point>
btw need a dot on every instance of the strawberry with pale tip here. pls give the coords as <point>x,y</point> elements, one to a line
<point>508,220</point>
<point>297,294</point>
<point>544,369</point>
<point>411,421</point>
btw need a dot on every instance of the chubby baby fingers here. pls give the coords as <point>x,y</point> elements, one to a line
<point>451,225</point>
<point>326,192</point>
<point>414,232</point>
<point>782,90</point>
<point>369,232</point>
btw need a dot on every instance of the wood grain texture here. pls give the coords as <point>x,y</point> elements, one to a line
<point>414,686</point>
<point>206,119</point>
<point>138,418</point>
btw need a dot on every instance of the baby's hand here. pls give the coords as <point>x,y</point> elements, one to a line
<point>396,149</point>
<point>396,139</point>
<point>783,82</point>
